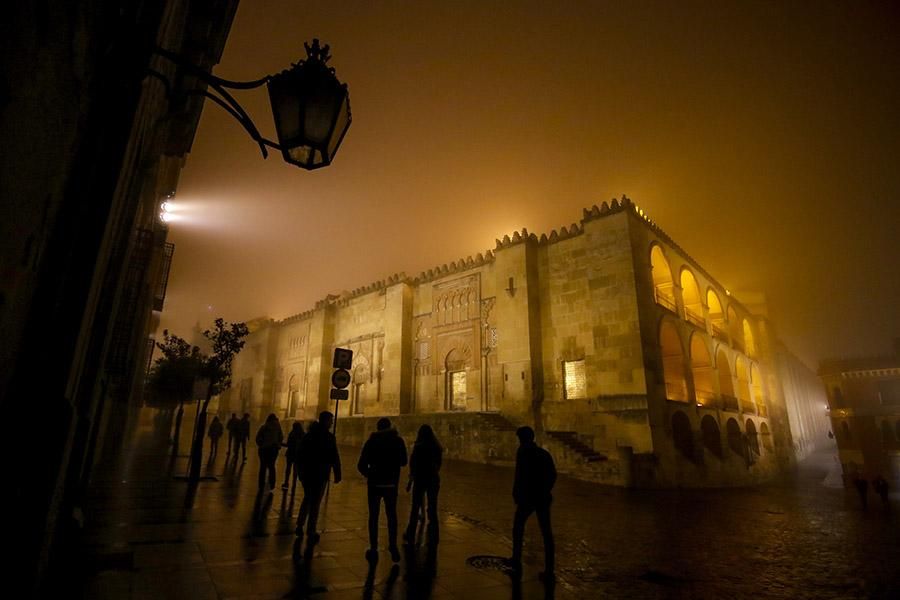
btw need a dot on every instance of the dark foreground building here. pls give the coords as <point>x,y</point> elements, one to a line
<point>94,139</point>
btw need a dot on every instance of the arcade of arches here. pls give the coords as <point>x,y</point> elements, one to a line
<point>743,390</point>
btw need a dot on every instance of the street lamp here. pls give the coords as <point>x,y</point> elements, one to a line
<point>310,106</point>
<point>311,109</point>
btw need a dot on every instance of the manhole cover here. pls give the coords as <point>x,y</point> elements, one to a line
<point>489,562</point>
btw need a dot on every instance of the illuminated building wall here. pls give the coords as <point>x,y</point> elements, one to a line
<point>604,335</point>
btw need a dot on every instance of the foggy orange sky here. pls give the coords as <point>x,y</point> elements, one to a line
<point>763,137</point>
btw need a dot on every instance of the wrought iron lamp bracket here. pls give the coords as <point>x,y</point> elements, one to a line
<point>222,97</point>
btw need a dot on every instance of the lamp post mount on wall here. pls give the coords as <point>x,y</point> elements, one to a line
<point>310,106</point>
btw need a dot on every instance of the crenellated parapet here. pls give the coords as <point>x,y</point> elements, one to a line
<point>564,233</point>
<point>606,209</point>
<point>518,237</point>
<point>377,286</point>
<point>301,316</point>
<point>523,236</point>
<point>462,264</point>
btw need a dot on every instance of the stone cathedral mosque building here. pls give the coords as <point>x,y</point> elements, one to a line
<point>635,366</point>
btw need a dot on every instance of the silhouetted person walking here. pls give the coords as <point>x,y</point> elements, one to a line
<point>214,432</point>
<point>243,436</point>
<point>424,467</point>
<point>862,488</point>
<point>535,476</point>
<point>232,427</point>
<point>382,457</point>
<point>268,440</point>
<point>880,487</point>
<point>318,457</point>
<point>292,453</point>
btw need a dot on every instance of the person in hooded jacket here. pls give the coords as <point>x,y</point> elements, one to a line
<point>382,457</point>
<point>214,432</point>
<point>232,427</point>
<point>424,465</point>
<point>534,479</point>
<point>292,452</point>
<point>243,436</point>
<point>268,439</point>
<point>317,459</point>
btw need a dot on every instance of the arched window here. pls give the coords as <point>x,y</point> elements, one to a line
<point>663,286</point>
<point>712,439</point>
<point>693,303</point>
<point>682,435</point>
<point>673,362</point>
<point>752,439</point>
<point>749,343</point>
<point>716,315</point>
<point>726,386</point>
<point>766,437</point>
<point>743,385</point>
<point>701,367</point>
<point>756,390</point>
<point>887,432</point>
<point>735,329</point>
<point>735,443</point>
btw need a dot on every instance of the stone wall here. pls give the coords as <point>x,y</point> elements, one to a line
<point>497,332</point>
<point>481,438</point>
<point>589,312</point>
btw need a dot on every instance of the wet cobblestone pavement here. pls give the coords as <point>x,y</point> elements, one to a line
<point>802,538</point>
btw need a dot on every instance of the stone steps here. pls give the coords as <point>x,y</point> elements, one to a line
<point>571,441</point>
<point>497,422</point>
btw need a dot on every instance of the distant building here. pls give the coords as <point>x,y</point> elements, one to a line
<point>630,360</point>
<point>864,402</point>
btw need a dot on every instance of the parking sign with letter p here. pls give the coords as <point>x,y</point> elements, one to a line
<point>343,358</point>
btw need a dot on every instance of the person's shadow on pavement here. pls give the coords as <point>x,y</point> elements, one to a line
<point>420,575</point>
<point>369,589</point>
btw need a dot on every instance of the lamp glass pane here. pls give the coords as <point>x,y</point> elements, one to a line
<point>286,110</point>
<point>319,113</point>
<point>340,127</point>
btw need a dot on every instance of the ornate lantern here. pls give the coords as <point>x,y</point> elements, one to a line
<point>311,109</point>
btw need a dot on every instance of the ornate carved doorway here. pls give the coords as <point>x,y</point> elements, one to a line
<point>361,376</point>
<point>357,399</point>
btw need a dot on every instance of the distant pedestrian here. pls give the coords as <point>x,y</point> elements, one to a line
<point>880,487</point>
<point>534,479</point>
<point>292,453</point>
<point>215,432</point>
<point>243,436</point>
<point>382,457</point>
<point>318,458</point>
<point>232,427</point>
<point>424,467</point>
<point>268,440</point>
<point>862,488</point>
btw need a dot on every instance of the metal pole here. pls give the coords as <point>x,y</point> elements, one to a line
<point>336,401</point>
